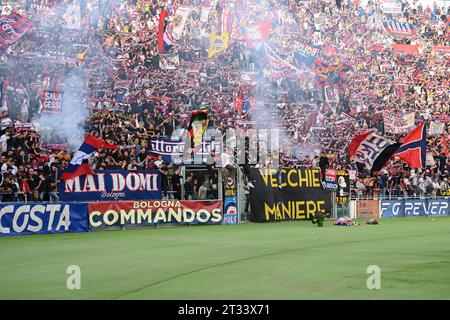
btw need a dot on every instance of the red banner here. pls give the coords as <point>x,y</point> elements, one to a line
<point>138,213</point>
<point>161,28</point>
<point>405,48</point>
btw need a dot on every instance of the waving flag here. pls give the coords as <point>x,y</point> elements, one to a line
<point>225,18</point>
<point>197,126</point>
<point>162,29</point>
<point>256,33</point>
<point>181,16</point>
<point>279,65</point>
<point>79,164</point>
<point>217,43</point>
<point>413,149</point>
<point>306,53</point>
<point>399,28</point>
<point>167,40</point>
<point>12,28</point>
<point>372,150</point>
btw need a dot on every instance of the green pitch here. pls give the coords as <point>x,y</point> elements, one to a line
<point>289,260</point>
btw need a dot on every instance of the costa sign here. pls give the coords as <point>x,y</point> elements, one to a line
<point>20,218</point>
<point>112,185</point>
<point>126,213</point>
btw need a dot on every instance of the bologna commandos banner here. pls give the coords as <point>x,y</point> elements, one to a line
<point>139,213</point>
<point>287,194</point>
<point>112,185</point>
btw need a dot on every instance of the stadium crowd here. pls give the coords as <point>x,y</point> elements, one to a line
<point>134,92</point>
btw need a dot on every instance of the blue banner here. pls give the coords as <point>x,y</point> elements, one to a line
<point>414,208</point>
<point>306,53</point>
<point>230,210</point>
<point>28,218</point>
<point>173,151</point>
<point>114,185</point>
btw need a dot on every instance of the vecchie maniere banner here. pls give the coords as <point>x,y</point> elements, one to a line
<point>29,218</point>
<point>287,194</point>
<point>110,185</point>
<point>140,213</point>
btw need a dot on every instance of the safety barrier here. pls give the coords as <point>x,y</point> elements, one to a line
<point>60,217</point>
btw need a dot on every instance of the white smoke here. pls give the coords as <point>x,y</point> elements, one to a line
<point>67,126</point>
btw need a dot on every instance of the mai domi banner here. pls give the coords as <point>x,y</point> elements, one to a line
<point>287,194</point>
<point>114,185</point>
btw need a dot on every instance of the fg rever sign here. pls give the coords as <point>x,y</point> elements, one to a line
<point>112,185</point>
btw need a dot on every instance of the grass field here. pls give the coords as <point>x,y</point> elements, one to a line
<point>288,260</point>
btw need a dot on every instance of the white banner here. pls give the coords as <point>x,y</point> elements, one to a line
<point>392,6</point>
<point>180,21</point>
<point>169,62</point>
<point>398,123</point>
<point>204,15</point>
<point>436,128</point>
<point>72,16</point>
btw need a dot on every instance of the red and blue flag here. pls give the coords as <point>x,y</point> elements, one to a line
<point>413,148</point>
<point>79,165</point>
<point>12,28</point>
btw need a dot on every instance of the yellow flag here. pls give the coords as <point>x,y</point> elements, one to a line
<point>217,43</point>
<point>81,56</point>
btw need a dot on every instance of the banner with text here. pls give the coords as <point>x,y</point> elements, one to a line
<point>112,185</point>
<point>138,213</point>
<point>414,208</point>
<point>52,102</point>
<point>287,194</point>
<point>29,218</point>
<point>306,53</point>
<point>174,151</point>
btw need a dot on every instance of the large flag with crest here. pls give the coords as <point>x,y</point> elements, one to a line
<point>12,28</point>
<point>372,150</point>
